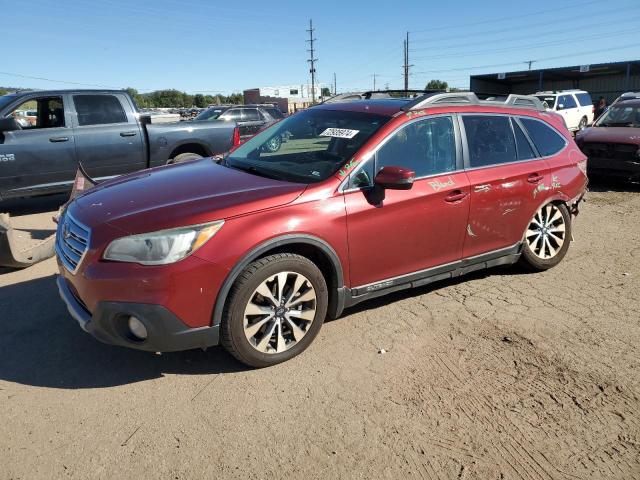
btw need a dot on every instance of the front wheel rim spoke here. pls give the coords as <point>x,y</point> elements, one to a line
<point>305,297</point>
<point>264,342</point>
<point>297,332</point>
<point>252,329</point>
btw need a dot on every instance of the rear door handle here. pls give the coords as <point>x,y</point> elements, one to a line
<point>128,134</point>
<point>455,196</point>
<point>58,139</point>
<point>534,178</point>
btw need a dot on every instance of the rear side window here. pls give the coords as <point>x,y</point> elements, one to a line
<point>525,152</point>
<point>234,114</point>
<point>274,112</point>
<point>546,139</point>
<point>584,99</point>
<point>490,140</point>
<point>250,115</point>
<point>98,110</point>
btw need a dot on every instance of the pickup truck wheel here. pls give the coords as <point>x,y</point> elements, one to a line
<point>184,157</point>
<point>547,238</point>
<point>273,145</point>
<point>274,310</point>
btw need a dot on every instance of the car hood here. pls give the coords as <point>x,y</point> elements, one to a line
<point>610,135</point>
<point>185,194</point>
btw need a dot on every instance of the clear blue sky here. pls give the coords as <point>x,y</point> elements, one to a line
<point>213,46</point>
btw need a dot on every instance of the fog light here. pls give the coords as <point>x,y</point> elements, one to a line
<point>137,328</point>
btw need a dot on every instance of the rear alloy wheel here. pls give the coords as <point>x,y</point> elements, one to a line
<point>275,310</point>
<point>547,238</point>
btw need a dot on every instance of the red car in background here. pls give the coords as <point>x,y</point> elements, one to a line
<point>365,198</point>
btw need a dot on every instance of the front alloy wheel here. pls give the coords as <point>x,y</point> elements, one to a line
<point>547,237</point>
<point>280,312</point>
<point>275,309</point>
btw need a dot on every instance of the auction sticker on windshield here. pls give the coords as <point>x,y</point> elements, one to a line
<point>339,133</point>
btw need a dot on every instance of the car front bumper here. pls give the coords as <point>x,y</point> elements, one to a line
<point>108,323</point>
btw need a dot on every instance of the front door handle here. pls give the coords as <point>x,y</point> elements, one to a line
<point>128,134</point>
<point>58,139</point>
<point>455,196</point>
<point>534,178</point>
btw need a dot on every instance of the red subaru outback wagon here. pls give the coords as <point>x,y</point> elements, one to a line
<point>364,198</point>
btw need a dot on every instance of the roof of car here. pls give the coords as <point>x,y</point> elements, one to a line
<point>632,102</point>
<point>384,106</point>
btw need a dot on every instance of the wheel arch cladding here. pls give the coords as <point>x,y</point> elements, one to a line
<point>315,249</point>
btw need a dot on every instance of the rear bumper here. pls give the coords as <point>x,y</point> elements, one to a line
<point>108,323</point>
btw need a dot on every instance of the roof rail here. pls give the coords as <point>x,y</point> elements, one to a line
<point>470,98</point>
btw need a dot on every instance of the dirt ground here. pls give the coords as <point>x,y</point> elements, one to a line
<point>497,375</point>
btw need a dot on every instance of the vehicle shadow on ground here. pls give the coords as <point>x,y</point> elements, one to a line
<point>30,206</point>
<point>41,345</point>
<point>599,184</point>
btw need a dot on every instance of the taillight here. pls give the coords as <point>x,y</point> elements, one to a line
<point>582,165</point>
<point>593,109</point>
<point>236,137</point>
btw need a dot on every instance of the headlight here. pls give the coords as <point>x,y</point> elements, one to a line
<point>162,247</point>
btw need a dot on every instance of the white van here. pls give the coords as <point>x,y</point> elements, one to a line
<point>575,106</point>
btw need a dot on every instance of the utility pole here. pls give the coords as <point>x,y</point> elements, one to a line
<point>335,85</point>
<point>406,65</point>
<point>374,81</point>
<point>312,61</point>
<point>530,62</point>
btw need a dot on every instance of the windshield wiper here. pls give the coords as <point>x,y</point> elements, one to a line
<point>254,171</point>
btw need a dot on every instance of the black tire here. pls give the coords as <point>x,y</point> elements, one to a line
<point>184,157</point>
<point>273,144</point>
<point>583,123</point>
<point>232,326</point>
<point>530,260</point>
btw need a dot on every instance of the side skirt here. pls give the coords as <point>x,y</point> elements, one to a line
<point>505,256</point>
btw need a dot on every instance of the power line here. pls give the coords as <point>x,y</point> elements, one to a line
<point>557,57</point>
<point>67,82</point>
<point>503,19</point>
<point>312,61</point>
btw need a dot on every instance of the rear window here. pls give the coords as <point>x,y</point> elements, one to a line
<point>98,110</point>
<point>584,99</point>
<point>549,100</point>
<point>490,140</point>
<point>307,147</point>
<point>546,139</point>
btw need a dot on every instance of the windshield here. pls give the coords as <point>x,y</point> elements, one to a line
<point>307,147</point>
<point>620,117</point>
<point>549,100</point>
<point>6,100</point>
<point>210,114</point>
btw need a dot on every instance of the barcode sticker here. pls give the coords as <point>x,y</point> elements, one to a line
<point>339,133</point>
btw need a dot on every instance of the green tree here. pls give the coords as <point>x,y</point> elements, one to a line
<point>436,85</point>
<point>326,92</point>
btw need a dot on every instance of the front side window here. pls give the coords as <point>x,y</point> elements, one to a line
<point>46,112</point>
<point>490,140</point>
<point>428,147</point>
<point>565,102</point>
<point>546,139</point>
<point>318,143</point>
<point>549,100</point>
<point>209,114</point>
<point>99,110</point>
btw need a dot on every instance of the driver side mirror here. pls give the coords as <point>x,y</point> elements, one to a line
<point>395,178</point>
<point>9,124</point>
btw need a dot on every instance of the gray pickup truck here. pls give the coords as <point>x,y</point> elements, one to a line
<point>44,133</point>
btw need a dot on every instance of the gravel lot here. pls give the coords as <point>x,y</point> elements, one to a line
<point>501,374</point>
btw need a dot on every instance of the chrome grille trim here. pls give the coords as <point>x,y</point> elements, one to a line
<point>72,242</point>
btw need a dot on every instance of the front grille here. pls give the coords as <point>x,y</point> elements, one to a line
<point>72,242</point>
<point>613,151</point>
